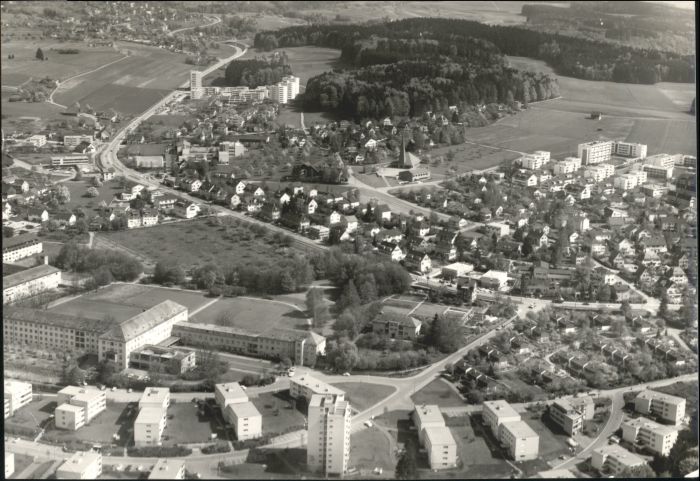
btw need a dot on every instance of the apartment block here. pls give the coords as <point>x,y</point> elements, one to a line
<point>427,416</point>
<point>195,79</point>
<point>328,445</point>
<point>292,86</point>
<point>567,166</point>
<point>506,425</point>
<point>440,446</point>
<point>658,172</point>
<point>168,469</point>
<point>16,394</point>
<point>19,247</point>
<point>70,417</point>
<point>667,407</point>
<point>570,414</point>
<point>165,359</point>
<point>613,459</point>
<point>149,426</point>
<point>595,152</point>
<point>599,172</point>
<point>29,282</point>
<point>229,393</point>
<point>246,420</point>
<point>82,465</point>
<point>661,160</point>
<point>155,397</point>
<point>279,92</point>
<point>535,160</point>
<point>308,386</point>
<point>629,149</point>
<point>89,403</point>
<point>657,438</point>
<point>521,441</point>
<point>625,181</point>
<point>72,141</point>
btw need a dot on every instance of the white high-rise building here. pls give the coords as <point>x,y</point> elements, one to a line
<point>595,152</point>
<point>292,86</point>
<point>328,444</point>
<point>16,394</point>
<point>196,90</point>
<point>629,149</point>
<point>279,92</point>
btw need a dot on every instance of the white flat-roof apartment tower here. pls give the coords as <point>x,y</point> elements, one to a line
<point>613,459</point>
<point>441,447</point>
<point>595,152</point>
<point>328,445</point>
<point>82,465</point>
<point>629,149</point>
<point>149,426</point>
<point>77,406</point>
<point>292,86</point>
<point>246,420</point>
<point>521,441</point>
<point>427,416</point>
<point>656,437</point>
<point>16,394</point>
<point>536,160</point>
<point>229,393</point>
<point>155,397</point>
<point>307,386</point>
<point>168,469</point>
<point>667,407</point>
<point>195,79</point>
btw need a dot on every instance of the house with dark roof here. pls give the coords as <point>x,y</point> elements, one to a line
<point>396,326</point>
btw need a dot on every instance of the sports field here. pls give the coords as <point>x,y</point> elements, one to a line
<point>122,301</point>
<point>252,314</point>
<point>131,85</point>
<point>58,66</point>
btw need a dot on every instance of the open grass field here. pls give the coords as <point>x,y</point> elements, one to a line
<point>90,205</point>
<point>288,117</point>
<point>27,116</point>
<point>118,418</point>
<point>131,85</point>
<point>364,395</point>
<point>369,449</point>
<point>438,392</point>
<point>196,242</point>
<point>278,412</point>
<point>33,414</point>
<point>58,66</point>
<point>251,314</point>
<point>471,156</point>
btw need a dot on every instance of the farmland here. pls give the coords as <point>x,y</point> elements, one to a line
<point>130,85</point>
<point>256,315</point>
<point>196,242</point>
<point>27,116</point>
<point>58,66</point>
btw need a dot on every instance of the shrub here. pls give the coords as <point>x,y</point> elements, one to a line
<point>159,451</point>
<point>216,448</point>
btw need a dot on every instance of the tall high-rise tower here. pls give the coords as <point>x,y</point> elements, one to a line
<point>328,444</point>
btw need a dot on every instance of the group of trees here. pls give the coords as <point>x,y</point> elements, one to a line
<point>577,57</point>
<point>103,264</point>
<point>255,72</point>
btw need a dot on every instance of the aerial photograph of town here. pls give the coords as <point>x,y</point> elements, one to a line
<point>349,239</point>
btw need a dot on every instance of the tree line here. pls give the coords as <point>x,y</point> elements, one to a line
<point>575,57</point>
<point>255,72</point>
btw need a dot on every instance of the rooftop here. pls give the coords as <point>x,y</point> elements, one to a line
<point>501,408</point>
<point>28,275</point>
<point>18,240</point>
<point>244,410</point>
<point>150,416</point>
<point>653,426</point>
<point>155,395</point>
<point>80,461</point>
<point>336,404</point>
<point>648,394</point>
<point>520,429</point>
<point>439,435</point>
<point>41,316</point>
<point>231,390</point>
<point>621,454</point>
<point>316,386</point>
<point>429,414</point>
<point>166,469</point>
<point>148,319</point>
<point>70,407</point>
<point>12,385</point>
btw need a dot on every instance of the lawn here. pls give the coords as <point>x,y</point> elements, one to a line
<point>58,66</point>
<point>429,310</point>
<point>90,205</point>
<point>288,117</point>
<point>373,180</point>
<point>364,395</point>
<point>28,116</point>
<point>118,418</point>
<point>35,413</point>
<point>90,309</point>
<point>196,243</point>
<point>257,315</point>
<point>147,296</point>
<point>130,86</point>
<point>369,449</point>
<point>188,423</point>
<point>438,392</point>
<point>278,412</point>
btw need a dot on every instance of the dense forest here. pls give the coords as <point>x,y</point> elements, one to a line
<point>575,57</point>
<point>255,72</point>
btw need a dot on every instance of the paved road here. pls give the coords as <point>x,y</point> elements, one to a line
<point>216,20</point>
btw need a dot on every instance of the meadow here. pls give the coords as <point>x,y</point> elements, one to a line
<point>251,314</point>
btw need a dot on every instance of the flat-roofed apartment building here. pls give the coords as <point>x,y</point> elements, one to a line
<point>630,149</point>
<point>168,469</point>
<point>21,246</point>
<point>81,465</point>
<point>613,459</point>
<point>77,406</point>
<point>9,464</point>
<point>521,441</point>
<point>16,394</point>
<point>245,418</point>
<point>665,406</point>
<point>570,414</point>
<point>29,282</point>
<point>657,438</point>
<point>229,393</point>
<point>435,437</point>
<point>161,358</point>
<point>155,397</point>
<point>328,445</point>
<point>110,340</point>
<point>149,426</point>
<point>595,152</point>
<point>307,386</point>
<point>302,347</point>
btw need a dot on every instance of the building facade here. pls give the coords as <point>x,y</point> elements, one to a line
<point>81,465</point>
<point>328,445</point>
<point>666,407</point>
<point>19,247</point>
<point>655,437</point>
<point>16,394</point>
<point>29,282</point>
<point>149,426</point>
<point>307,386</point>
<point>246,420</point>
<point>613,459</point>
<point>441,447</point>
<point>595,152</point>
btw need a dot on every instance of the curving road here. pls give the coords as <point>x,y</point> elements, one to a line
<point>217,19</point>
